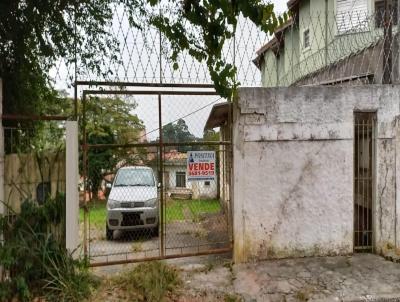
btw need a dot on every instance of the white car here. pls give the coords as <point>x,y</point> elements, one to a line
<point>133,201</point>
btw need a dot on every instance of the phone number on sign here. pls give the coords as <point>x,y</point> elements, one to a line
<point>201,173</point>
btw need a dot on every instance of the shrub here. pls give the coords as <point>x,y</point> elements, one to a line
<point>150,281</point>
<point>35,258</point>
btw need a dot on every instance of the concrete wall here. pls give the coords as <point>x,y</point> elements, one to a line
<point>293,163</point>
<point>24,172</point>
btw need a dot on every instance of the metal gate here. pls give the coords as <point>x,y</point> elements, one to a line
<point>138,201</point>
<point>364,155</point>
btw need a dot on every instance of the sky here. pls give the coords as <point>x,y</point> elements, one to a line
<point>141,63</point>
<point>279,5</point>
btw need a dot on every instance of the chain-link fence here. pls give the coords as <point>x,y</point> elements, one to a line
<point>318,47</point>
<point>141,199</point>
<point>34,170</point>
<point>142,55</point>
<point>315,46</point>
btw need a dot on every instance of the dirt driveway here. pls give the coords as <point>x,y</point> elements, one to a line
<point>180,237</point>
<point>361,277</point>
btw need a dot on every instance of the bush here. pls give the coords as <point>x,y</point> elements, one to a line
<point>35,258</point>
<point>150,281</point>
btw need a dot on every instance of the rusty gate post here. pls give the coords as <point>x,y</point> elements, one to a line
<point>161,178</point>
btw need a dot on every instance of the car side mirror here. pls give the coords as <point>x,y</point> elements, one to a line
<point>108,188</point>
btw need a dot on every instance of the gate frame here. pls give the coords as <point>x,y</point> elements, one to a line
<point>85,147</point>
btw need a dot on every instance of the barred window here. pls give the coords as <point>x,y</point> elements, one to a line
<point>351,16</point>
<point>181,179</point>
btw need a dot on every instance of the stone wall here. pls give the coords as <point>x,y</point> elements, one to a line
<point>293,170</point>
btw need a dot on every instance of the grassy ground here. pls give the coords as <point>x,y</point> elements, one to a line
<point>176,210</point>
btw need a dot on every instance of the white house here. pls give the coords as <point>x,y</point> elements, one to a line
<point>175,179</point>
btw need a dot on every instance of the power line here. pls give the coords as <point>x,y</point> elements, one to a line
<point>182,117</point>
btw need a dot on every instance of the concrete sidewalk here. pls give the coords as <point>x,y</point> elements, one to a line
<point>362,277</point>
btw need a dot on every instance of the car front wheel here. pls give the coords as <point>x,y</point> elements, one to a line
<point>109,233</point>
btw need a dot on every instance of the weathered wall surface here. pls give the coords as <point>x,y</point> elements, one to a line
<point>293,169</point>
<point>24,172</point>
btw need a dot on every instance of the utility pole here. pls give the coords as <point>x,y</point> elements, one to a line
<point>387,42</point>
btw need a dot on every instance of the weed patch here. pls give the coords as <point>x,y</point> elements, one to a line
<point>36,261</point>
<point>151,281</point>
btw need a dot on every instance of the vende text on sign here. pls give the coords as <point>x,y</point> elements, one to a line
<point>200,165</point>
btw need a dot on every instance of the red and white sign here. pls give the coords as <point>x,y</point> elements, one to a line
<point>200,165</point>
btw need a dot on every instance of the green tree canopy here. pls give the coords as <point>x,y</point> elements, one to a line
<point>177,132</point>
<point>35,33</point>
<point>111,121</point>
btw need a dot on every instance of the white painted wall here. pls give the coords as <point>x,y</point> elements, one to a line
<point>293,163</point>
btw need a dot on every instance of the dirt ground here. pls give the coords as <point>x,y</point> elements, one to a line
<point>180,238</point>
<point>361,277</point>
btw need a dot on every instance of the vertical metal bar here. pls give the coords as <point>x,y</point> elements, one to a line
<point>358,183</point>
<point>354,177</point>
<point>387,43</point>
<point>161,148</point>
<point>368,181</point>
<point>160,41</point>
<point>229,163</point>
<point>76,72</point>
<point>373,182</point>
<point>363,181</point>
<point>326,32</point>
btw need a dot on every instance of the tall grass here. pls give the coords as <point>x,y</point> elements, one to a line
<point>37,261</point>
<point>151,281</point>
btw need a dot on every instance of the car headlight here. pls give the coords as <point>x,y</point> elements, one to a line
<point>112,204</point>
<point>151,202</point>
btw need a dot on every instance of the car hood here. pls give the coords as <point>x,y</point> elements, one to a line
<point>133,193</point>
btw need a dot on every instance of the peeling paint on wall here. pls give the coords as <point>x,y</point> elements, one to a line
<point>293,160</point>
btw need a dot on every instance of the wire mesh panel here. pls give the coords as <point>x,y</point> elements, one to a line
<point>196,215</point>
<point>348,46</point>
<point>139,201</point>
<point>123,215</point>
<point>364,152</point>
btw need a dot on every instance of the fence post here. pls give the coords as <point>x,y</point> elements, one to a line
<point>387,42</point>
<point>2,207</point>
<point>72,183</point>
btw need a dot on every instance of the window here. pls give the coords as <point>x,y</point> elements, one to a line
<point>380,10</point>
<point>306,38</point>
<point>351,16</point>
<point>207,183</point>
<point>181,179</point>
<point>134,177</point>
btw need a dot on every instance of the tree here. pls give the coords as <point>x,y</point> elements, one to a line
<point>34,34</point>
<point>211,24</point>
<point>111,121</point>
<point>177,133</point>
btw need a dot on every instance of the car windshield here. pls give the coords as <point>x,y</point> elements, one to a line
<point>134,177</point>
